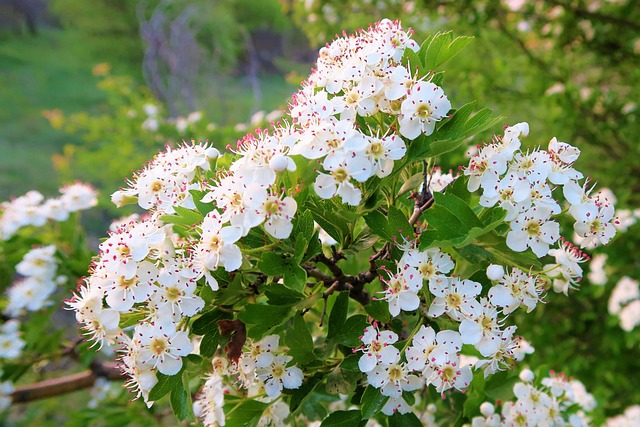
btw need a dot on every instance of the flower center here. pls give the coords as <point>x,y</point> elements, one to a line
<point>453,300</point>
<point>272,207</point>
<point>424,111</point>
<point>395,373</point>
<point>533,228</point>
<point>340,175</point>
<point>448,373</point>
<point>173,293</point>
<point>159,346</point>
<point>126,283</point>
<point>278,371</point>
<point>156,186</point>
<point>376,150</point>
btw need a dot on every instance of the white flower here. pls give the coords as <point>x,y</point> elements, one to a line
<point>377,348</point>
<point>278,211</point>
<point>393,379</point>
<point>161,348</point>
<point>533,229</point>
<point>594,224</point>
<point>402,290</point>
<point>428,348</point>
<point>455,297</point>
<point>597,274</point>
<point>515,289</point>
<point>277,375</point>
<point>424,105</point>
<point>566,271</point>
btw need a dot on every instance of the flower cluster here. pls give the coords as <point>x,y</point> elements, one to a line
<point>210,401</point>
<point>624,302</point>
<point>355,77</point>
<point>630,418</point>
<point>32,209</point>
<point>38,269</point>
<point>11,344</point>
<point>522,184</point>
<point>556,401</point>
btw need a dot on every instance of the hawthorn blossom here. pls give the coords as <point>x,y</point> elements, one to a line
<point>424,105</point>
<point>377,348</point>
<point>427,348</point>
<point>566,271</point>
<point>455,297</point>
<point>533,229</point>
<point>277,376</point>
<point>516,289</point>
<point>276,211</point>
<point>161,348</point>
<point>393,379</point>
<point>594,224</point>
<point>402,290</point>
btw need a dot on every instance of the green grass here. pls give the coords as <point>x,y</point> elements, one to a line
<point>37,74</point>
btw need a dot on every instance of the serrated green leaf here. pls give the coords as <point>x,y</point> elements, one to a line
<point>203,208</point>
<point>165,384</point>
<point>278,294</point>
<point>242,413</point>
<point>458,208</point>
<point>272,264</point>
<point>181,400</point>
<point>353,328</point>
<point>261,318</point>
<point>372,402</point>
<point>208,321</point>
<point>342,418</point>
<point>299,341</point>
<point>192,216</point>
<point>436,48</point>
<point>404,420</point>
<point>300,248</point>
<point>300,395</point>
<point>303,224</point>
<point>338,314</point>
<point>399,224</point>
<point>379,310</point>
<point>378,224</point>
<point>341,381</point>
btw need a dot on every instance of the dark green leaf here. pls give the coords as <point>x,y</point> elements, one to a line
<point>181,400</point>
<point>208,322</point>
<point>399,224</point>
<point>165,384</point>
<point>404,420</point>
<point>243,412</point>
<point>342,418</point>
<point>353,328</point>
<point>378,224</point>
<point>341,381</point>
<point>278,294</point>
<point>379,310</point>
<point>338,313</point>
<point>262,318</point>
<point>299,341</point>
<point>372,402</point>
<point>301,394</point>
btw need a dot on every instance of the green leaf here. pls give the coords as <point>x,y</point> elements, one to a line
<point>379,310</point>
<point>342,418</point>
<point>440,48</point>
<point>299,341</point>
<point>209,343</point>
<point>303,224</point>
<point>404,420</point>
<point>341,381</point>
<point>399,224</point>
<point>300,395</point>
<point>243,412</point>
<point>193,217</point>
<point>378,224</point>
<point>353,328</point>
<point>412,183</point>
<point>278,294</point>
<point>208,322</point>
<point>165,384</point>
<point>262,318</point>
<point>181,400</point>
<point>458,208</point>
<point>300,248</point>
<point>272,264</point>
<point>338,314</point>
<point>372,402</point>
<point>203,208</point>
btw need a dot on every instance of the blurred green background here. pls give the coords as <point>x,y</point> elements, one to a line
<point>91,90</point>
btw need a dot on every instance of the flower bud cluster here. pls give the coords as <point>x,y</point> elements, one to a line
<point>522,184</point>
<point>32,209</point>
<point>557,401</point>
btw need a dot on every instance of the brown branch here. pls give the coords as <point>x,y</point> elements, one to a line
<point>67,384</point>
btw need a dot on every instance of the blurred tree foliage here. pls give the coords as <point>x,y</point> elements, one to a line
<point>577,62</point>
